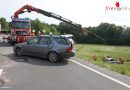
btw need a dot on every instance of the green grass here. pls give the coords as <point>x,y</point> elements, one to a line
<point>88,50</point>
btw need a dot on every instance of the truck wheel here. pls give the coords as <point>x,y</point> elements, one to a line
<point>53,57</point>
<point>18,51</point>
<point>1,82</point>
<point>12,43</point>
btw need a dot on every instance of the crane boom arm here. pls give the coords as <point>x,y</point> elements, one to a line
<point>29,8</point>
<point>50,14</point>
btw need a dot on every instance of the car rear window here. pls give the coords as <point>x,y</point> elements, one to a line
<point>62,40</point>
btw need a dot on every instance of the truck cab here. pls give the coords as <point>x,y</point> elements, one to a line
<point>20,30</point>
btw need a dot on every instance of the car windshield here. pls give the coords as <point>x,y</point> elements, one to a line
<point>62,40</point>
<point>18,24</point>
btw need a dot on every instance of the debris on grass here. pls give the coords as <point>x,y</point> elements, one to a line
<point>109,59</point>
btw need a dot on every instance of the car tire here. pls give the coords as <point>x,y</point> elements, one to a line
<point>53,57</point>
<point>18,51</point>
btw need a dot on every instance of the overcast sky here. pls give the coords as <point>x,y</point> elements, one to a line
<point>85,12</point>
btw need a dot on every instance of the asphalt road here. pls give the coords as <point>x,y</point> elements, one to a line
<point>33,73</point>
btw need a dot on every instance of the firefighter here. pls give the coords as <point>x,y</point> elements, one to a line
<point>33,33</point>
<point>50,33</point>
<point>43,32</point>
<point>39,33</point>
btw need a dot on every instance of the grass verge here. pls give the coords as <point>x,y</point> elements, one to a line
<point>87,51</point>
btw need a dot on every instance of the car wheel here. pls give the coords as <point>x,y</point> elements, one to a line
<point>53,57</point>
<point>18,51</point>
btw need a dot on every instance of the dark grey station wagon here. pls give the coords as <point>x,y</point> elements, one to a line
<point>53,47</point>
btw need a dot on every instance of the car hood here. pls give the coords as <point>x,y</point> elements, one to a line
<point>21,44</point>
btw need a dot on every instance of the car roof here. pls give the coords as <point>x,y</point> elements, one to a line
<point>67,35</point>
<point>50,36</point>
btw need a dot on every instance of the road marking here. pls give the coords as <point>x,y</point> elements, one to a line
<point>1,70</point>
<point>104,75</point>
<point>5,87</point>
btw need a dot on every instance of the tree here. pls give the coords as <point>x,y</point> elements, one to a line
<point>124,38</point>
<point>65,28</point>
<point>4,24</point>
<point>110,32</point>
<point>37,25</point>
<point>53,29</point>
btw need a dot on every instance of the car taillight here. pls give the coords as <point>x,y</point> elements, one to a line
<point>69,48</point>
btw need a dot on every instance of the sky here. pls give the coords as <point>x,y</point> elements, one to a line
<point>84,12</point>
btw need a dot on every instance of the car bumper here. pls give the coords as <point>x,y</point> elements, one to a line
<point>68,54</point>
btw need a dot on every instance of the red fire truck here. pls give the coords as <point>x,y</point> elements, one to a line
<point>20,30</point>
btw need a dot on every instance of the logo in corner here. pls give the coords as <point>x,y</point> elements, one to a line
<point>117,7</point>
<point>117,4</point>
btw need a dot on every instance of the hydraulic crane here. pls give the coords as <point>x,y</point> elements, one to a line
<point>29,8</point>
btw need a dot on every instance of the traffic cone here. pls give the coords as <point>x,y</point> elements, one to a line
<point>121,59</point>
<point>94,57</point>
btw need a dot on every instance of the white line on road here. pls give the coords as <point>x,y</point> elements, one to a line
<point>1,70</point>
<point>104,75</point>
<point>5,87</point>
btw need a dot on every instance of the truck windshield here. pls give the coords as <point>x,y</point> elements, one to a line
<point>19,24</point>
<point>22,32</point>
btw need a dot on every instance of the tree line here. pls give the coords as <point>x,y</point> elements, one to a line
<point>113,35</point>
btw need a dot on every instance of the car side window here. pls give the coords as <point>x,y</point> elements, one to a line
<point>62,40</point>
<point>34,40</point>
<point>45,41</point>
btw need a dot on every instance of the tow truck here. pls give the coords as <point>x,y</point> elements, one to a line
<point>21,28</point>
